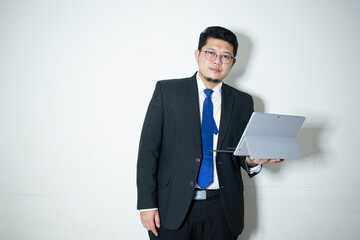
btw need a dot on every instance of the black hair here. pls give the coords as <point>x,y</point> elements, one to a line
<point>218,33</point>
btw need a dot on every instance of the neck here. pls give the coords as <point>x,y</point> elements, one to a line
<point>209,83</point>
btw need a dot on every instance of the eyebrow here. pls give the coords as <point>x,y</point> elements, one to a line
<point>220,53</point>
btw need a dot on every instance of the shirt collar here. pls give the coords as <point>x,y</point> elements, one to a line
<point>201,86</point>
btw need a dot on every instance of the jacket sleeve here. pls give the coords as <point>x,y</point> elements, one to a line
<point>149,152</point>
<point>251,171</point>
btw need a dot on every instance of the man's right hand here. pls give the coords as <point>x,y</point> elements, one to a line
<point>150,220</point>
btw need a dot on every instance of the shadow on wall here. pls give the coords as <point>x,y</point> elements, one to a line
<point>242,59</point>
<point>307,139</point>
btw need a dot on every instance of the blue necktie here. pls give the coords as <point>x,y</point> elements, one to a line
<point>208,128</point>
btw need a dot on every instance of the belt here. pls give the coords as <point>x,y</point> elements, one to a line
<point>205,194</point>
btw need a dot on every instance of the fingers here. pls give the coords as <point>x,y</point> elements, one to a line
<point>153,229</point>
<point>157,219</point>
<point>265,161</point>
<point>149,219</point>
<point>276,160</point>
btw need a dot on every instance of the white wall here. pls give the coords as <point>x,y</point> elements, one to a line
<point>76,78</point>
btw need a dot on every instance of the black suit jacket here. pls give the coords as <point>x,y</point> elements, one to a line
<point>170,151</point>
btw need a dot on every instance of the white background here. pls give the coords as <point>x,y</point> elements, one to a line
<point>76,78</point>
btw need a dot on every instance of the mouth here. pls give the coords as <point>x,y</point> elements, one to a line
<point>216,70</point>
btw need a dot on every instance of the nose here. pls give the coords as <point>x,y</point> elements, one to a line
<point>217,60</point>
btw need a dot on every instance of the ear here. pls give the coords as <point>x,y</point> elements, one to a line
<point>197,54</point>
<point>234,61</point>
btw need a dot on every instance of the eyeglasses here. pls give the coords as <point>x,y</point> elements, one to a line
<point>211,56</point>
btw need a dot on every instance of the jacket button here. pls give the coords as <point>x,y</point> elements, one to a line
<point>219,163</point>
<point>192,183</point>
<point>197,160</point>
<point>221,187</point>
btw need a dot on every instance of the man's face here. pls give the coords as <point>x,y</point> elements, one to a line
<point>214,71</point>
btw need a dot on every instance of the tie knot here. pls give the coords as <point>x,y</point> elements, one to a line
<point>208,92</point>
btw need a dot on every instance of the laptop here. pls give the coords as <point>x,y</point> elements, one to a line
<point>270,136</point>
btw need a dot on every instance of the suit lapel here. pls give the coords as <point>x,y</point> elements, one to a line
<point>192,105</point>
<point>227,103</point>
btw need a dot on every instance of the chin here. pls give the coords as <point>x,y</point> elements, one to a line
<point>213,80</point>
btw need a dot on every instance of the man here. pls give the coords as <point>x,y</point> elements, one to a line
<point>186,191</point>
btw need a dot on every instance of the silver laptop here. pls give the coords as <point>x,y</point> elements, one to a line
<point>270,136</point>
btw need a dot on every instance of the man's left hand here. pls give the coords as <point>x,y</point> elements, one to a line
<point>253,162</point>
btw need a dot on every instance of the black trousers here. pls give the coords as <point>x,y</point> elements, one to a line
<point>205,220</point>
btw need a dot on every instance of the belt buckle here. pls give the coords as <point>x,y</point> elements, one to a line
<point>200,195</point>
